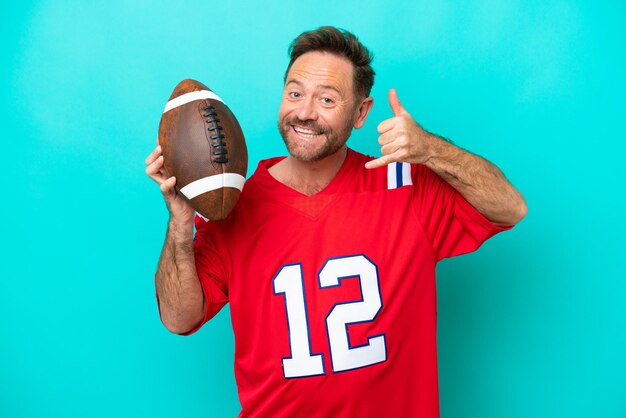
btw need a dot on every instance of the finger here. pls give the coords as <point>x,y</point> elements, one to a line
<point>390,148</point>
<point>396,106</point>
<point>386,125</point>
<point>387,138</point>
<point>382,161</point>
<point>167,186</point>
<point>379,162</point>
<point>153,155</point>
<point>156,172</point>
<point>155,166</point>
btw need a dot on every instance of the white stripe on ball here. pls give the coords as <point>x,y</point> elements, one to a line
<point>207,184</point>
<point>190,97</point>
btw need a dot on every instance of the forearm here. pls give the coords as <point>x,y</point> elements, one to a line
<point>181,301</point>
<point>480,182</point>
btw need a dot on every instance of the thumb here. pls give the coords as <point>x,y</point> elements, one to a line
<point>396,106</point>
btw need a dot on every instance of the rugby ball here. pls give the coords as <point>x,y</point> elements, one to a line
<point>204,148</point>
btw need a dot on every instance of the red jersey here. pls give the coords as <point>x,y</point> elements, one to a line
<point>332,296</point>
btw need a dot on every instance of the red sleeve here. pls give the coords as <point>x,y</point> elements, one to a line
<point>453,225</point>
<point>212,268</point>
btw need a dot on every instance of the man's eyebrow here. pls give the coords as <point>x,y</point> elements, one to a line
<point>323,86</point>
<point>293,81</point>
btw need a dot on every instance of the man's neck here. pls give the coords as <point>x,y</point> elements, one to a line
<point>308,177</point>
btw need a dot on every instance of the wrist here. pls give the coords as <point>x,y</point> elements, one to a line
<point>434,149</point>
<point>444,158</point>
<point>183,224</point>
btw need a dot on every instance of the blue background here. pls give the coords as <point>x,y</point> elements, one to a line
<point>532,325</point>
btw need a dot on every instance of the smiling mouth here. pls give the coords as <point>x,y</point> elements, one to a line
<point>305,132</point>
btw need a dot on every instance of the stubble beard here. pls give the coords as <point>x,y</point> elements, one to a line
<point>313,150</point>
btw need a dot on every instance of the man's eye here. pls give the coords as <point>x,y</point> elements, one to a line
<point>294,95</point>
<point>327,100</point>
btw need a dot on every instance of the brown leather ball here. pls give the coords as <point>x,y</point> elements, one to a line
<point>204,147</point>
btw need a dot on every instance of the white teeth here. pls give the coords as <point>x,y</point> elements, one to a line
<point>304,131</point>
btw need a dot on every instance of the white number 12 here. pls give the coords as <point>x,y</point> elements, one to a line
<point>302,362</point>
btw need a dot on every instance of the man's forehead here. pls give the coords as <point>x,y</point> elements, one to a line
<point>326,69</point>
<point>299,83</point>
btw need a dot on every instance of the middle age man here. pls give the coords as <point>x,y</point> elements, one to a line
<point>328,260</point>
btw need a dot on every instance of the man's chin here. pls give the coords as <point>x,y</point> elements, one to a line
<point>310,155</point>
<point>308,151</point>
<point>304,156</point>
<point>302,152</point>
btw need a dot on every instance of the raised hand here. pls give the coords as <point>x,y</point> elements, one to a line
<point>179,209</point>
<point>401,138</point>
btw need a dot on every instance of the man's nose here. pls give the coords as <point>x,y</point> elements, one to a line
<point>306,110</point>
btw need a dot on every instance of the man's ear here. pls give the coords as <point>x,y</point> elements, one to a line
<point>363,110</point>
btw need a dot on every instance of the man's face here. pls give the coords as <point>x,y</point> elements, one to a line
<point>318,109</point>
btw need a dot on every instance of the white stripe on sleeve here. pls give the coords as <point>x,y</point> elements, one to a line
<point>406,174</point>
<point>392,180</point>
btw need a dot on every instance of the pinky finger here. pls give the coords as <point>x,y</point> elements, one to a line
<point>379,162</point>
<point>385,159</point>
